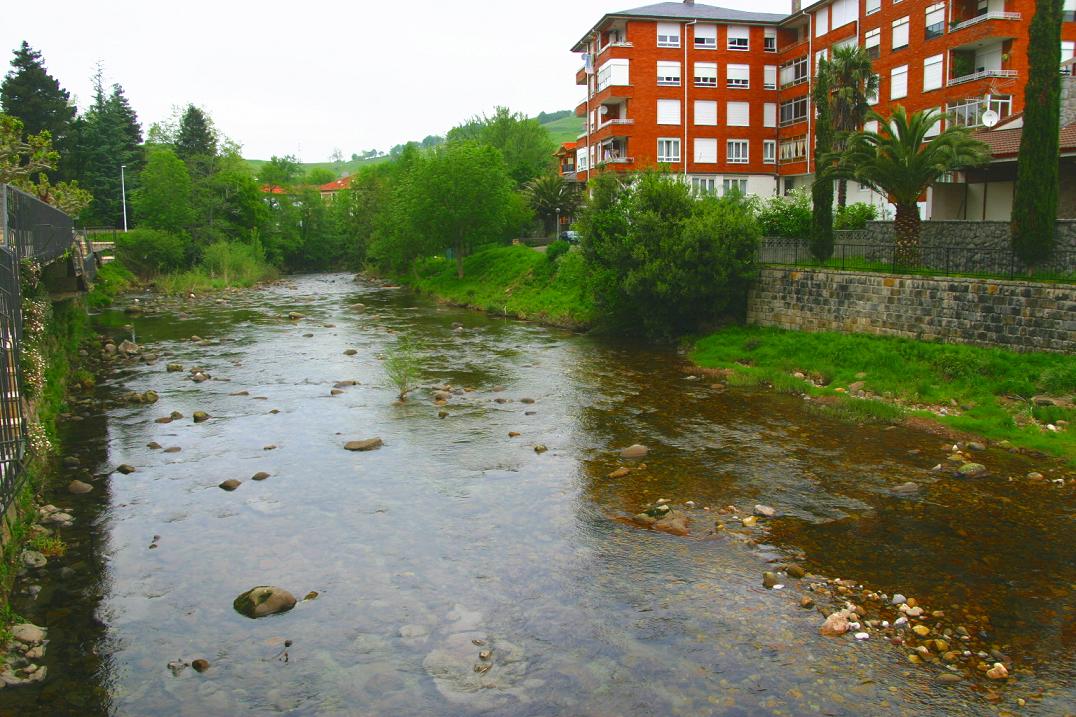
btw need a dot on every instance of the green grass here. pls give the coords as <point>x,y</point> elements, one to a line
<point>48,545</point>
<point>565,129</point>
<point>513,280</point>
<point>112,279</point>
<point>991,386</point>
<point>224,265</point>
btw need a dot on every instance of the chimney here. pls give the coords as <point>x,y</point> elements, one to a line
<point>689,3</point>
<point>797,5</point>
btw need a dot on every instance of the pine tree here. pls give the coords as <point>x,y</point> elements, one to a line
<point>822,188</point>
<point>31,94</point>
<point>196,136</point>
<point>1034,211</point>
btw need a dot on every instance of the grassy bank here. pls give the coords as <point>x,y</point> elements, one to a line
<point>224,265</point>
<point>112,279</point>
<point>998,394</point>
<point>515,281</point>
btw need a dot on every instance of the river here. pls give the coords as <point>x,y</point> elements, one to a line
<point>455,537</point>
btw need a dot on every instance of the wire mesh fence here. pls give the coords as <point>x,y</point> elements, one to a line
<point>927,260</point>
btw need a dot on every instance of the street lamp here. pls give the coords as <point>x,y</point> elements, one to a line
<point>123,194</point>
<point>556,229</point>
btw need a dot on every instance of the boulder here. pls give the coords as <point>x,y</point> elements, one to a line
<point>128,348</point>
<point>200,665</point>
<point>260,475</point>
<point>971,470</point>
<point>33,559</point>
<point>620,472</point>
<point>125,468</point>
<point>264,600</point>
<point>769,580</point>
<point>294,315</point>
<point>28,634</point>
<point>634,451</point>
<point>150,397</point>
<point>795,571</point>
<point>78,487</point>
<point>174,367</point>
<point>908,488</point>
<point>230,484</point>
<point>765,511</point>
<point>200,416</point>
<point>366,444</point>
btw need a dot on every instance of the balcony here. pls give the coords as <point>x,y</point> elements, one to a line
<point>581,76</point>
<point>980,75</point>
<point>984,18</point>
<point>607,123</point>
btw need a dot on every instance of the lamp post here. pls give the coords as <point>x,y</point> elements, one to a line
<point>123,195</point>
<point>556,229</point>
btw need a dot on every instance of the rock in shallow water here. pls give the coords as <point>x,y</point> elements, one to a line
<point>33,559</point>
<point>27,633</point>
<point>366,444</point>
<point>230,484</point>
<point>264,600</point>
<point>972,470</point>
<point>634,451</point>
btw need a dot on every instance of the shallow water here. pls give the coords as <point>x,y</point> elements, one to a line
<point>453,532</point>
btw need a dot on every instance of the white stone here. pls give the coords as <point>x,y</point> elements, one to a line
<point>30,634</point>
<point>862,636</point>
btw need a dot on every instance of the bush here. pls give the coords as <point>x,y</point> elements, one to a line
<point>224,264</point>
<point>557,249</point>
<point>148,252</point>
<point>788,216</point>
<point>855,216</point>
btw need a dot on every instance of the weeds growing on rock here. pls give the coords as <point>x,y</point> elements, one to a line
<point>403,367</point>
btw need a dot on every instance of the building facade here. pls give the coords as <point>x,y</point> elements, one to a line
<point>723,96</point>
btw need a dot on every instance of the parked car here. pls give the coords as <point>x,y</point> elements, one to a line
<point>572,237</point>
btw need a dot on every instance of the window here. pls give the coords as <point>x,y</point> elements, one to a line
<point>669,73</point>
<point>769,114</point>
<point>769,77</point>
<point>932,73</point>
<point>900,33</point>
<point>613,72</point>
<point>736,151</point>
<point>734,184</point>
<point>668,111</point>
<point>794,72</point>
<point>739,37</point>
<point>769,151</point>
<point>969,112</point>
<point>706,151</point>
<point>706,37</point>
<point>873,6</point>
<point>581,158</point>
<point>898,82</point>
<point>769,41</point>
<point>738,114</point>
<point>793,111</point>
<point>738,76</point>
<point>668,150</point>
<point>937,128</point>
<point>935,20</point>
<point>821,22</point>
<point>706,74</point>
<point>794,149</point>
<point>1068,11</point>
<point>1068,49</point>
<point>872,42</point>
<point>870,126</point>
<point>843,12</point>
<point>705,113</point>
<point>872,99</point>
<point>822,54</point>
<point>668,34</point>
<point>701,186</point>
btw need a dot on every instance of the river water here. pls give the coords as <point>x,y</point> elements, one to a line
<point>454,537</point>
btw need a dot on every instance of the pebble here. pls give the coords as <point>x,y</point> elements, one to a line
<point>997,672</point>
<point>230,484</point>
<point>125,468</point>
<point>260,475</point>
<point>33,559</point>
<point>200,665</point>
<point>366,444</point>
<point>78,487</point>
<point>634,451</point>
<point>540,448</point>
<point>765,511</point>
<point>921,630</point>
<point>200,416</point>
<point>898,599</point>
<point>769,580</point>
<point>862,636</point>
<point>620,472</point>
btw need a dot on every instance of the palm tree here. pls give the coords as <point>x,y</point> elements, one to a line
<point>853,82</point>
<point>899,160</point>
<point>550,194</point>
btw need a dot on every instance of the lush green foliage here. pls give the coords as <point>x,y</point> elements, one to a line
<point>993,386</point>
<point>852,83</point>
<point>556,250</point>
<point>788,216</point>
<point>36,98</point>
<point>163,198</point>
<point>524,144</point>
<point>26,162</point>
<point>822,188</point>
<point>403,367</point>
<point>112,279</point>
<point>223,265</point>
<point>1034,211</point>
<point>148,252</point>
<point>549,196</point>
<point>195,137</point>
<point>662,261</point>
<point>855,216</point>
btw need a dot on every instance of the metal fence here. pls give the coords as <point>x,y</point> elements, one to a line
<point>29,229</point>
<point>930,260</point>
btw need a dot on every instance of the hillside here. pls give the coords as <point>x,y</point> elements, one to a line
<point>563,126</point>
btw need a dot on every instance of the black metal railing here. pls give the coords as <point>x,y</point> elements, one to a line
<point>927,260</point>
<point>29,229</point>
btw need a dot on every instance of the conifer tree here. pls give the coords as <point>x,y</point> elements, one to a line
<point>35,97</point>
<point>1034,211</point>
<point>196,136</point>
<point>822,189</point>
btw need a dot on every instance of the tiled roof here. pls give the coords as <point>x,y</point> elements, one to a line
<point>336,185</point>
<point>685,11</point>
<point>565,148</point>
<point>1005,143</point>
<point>275,189</point>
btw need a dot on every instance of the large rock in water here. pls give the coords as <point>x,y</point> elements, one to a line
<point>264,600</point>
<point>366,444</point>
<point>634,451</point>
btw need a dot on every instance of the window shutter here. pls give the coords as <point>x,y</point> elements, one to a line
<point>668,34</point>
<point>769,77</point>
<point>870,126</point>
<point>668,72</point>
<point>706,151</point>
<point>739,32</point>
<point>706,35</point>
<point>873,38</point>
<point>706,73</point>
<point>932,73</point>
<point>769,114</point>
<point>668,111</point>
<point>705,112</point>
<point>873,6</point>
<point>821,22</point>
<point>935,14</point>
<point>740,74</point>
<point>900,33</point>
<point>937,128</point>
<point>738,114</point>
<point>898,82</point>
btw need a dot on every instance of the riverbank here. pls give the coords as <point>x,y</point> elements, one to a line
<point>1025,399</point>
<point>514,281</point>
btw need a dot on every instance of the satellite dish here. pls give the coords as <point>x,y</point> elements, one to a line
<point>990,118</point>
<point>604,110</point>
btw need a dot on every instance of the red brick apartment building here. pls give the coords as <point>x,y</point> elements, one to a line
<point>724,95</point>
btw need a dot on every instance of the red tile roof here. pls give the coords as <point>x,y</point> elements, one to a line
<point>565,148</point>
<point>336,185</point>
<point>1005,143</point>
<point>275,189</point>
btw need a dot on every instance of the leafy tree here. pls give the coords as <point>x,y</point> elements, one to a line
<point>148,252</point>
<point>900,161</point>
<point>852,81</point>
<point>317,176</point>
<point>786,216</point>
<point>163,198</point>
<point>1034,211</point>
<point>195,136</point>
<point>550,194</point>
<point>26,160</point>
<point>525,144</point>
<point>822,188</point>
<point>31,94</point>
<point>280,172</point>
<point>455,197</point>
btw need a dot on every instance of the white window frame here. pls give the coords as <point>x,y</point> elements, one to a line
<point>665,39</point>
<point>933,72</point>
<point>668,79</point>
<point>938,11</point>
<point>738,151</point>
<point>740,184</point>
<point>872,6</point>
<point>872,40</point>
<point>706,105</point>
<point>705,150</point>
<point>705,74</point>
<point>668,112</point>
<point>821,21</point>
<point>707,33</point>
<point>739,38</point>
<point>794,111</point>
<point>769,114</point>
<point>898,78</point>
<point>769,77</point>
<point>742,80</point>
<point>669,145</point>
<point>704,186</point>
<point>769,151</point>
<point>900,28</point>
<point>732,109</point>
<point>769,40</point>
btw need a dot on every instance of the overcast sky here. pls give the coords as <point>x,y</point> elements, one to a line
<point>305,78</point>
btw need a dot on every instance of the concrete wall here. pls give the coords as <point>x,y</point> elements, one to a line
<point>1022,316</point>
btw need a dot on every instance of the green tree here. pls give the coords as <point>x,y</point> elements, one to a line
<point>163,198</point>
<point>26,160</point>
<point>525,144</point>
<point>852,83</point>
<point>1034,211</point>
<point>901,162</point>
<point>317,176</point>
<point>549,195</point>
<point>455,197</point>
<point>31,94</point>
<point>281,172</point>
<point>195,136</point>
<point>822,189</point>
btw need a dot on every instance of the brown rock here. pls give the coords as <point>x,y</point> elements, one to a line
<point>366,444</point>
<point>125,468</point>
<point>78,487</point>
<point>836,624</point>
<point>997,672</point>
<point>620,472</point>
<point>634,451</point>
<point>200,665</point>
<point>230,484</point>
<point>260,475</point>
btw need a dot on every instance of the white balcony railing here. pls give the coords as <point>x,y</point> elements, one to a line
<point>617,160</point>
<point>981,74</point>
<point>983,18</point>
<point>607,123</point>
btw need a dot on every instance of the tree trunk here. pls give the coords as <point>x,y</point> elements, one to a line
<point>459,261</point>
<point>906,227</point>
<point>842,193</point>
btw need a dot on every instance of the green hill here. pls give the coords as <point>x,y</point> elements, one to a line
<point>563,126</point>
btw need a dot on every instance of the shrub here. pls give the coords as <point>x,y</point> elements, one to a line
<point>402,367</point>
<point>788,216</point>
<point>557,249</point>
<point>148,252</point>
<point>855,216</point>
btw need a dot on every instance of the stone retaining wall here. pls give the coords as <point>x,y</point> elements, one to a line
<point>956,234</point>
<point>1017,315</point>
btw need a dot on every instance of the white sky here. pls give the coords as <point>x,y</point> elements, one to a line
<point>304,78</point>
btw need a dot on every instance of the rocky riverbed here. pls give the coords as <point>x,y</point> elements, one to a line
<point>549,524</point>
